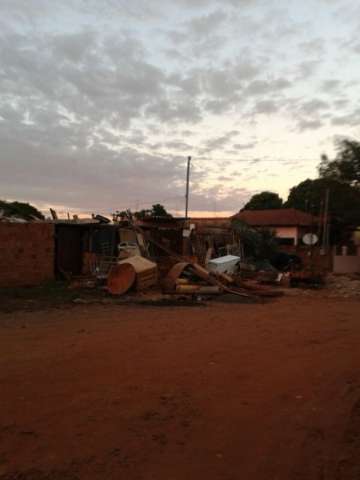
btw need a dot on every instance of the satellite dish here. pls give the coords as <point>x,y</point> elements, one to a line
<point>310,239</point>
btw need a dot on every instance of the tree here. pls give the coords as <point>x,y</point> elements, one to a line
<point>259,243</point>
<point>346,166</point>
<point>157,210</point>
<point>344,202</point>
<point>264,201</point>
<point>21,210</point>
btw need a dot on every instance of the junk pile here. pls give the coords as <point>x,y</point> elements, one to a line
<point>166,258</point>
<point>137,272</point>
<point>193,279</point>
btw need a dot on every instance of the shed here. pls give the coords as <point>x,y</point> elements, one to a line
<point>75,241</point>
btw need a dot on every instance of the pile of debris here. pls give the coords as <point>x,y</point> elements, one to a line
<point>344,286</point>
<point>135,271</point>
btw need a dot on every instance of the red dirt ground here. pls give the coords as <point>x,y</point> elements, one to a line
<point>221,392</point>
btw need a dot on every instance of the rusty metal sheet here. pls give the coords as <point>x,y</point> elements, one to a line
<point>174,273</point>
<point>121,278</point>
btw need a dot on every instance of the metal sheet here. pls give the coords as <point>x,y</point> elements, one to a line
<point>174,273</point>
<point>121,278</point>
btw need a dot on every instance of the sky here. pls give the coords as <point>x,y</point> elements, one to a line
<point>102,101</point>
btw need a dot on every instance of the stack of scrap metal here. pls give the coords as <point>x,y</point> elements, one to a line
<point>185,278</point>
<point>192,278</point>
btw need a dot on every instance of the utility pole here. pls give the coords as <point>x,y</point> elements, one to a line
<point>187,188</point>
<point>325,242</point>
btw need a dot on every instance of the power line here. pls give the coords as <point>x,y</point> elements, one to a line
<point>255,161</point>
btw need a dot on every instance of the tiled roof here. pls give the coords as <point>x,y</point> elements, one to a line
<point>276,217</point>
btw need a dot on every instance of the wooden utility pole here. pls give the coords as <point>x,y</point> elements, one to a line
<point>325,242</point>
<point>187,188</point>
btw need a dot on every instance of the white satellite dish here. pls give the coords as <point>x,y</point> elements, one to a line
<point>310,239</point>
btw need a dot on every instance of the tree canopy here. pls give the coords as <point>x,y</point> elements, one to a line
<point>21,210</point>
<point>157,210</point>
<point>259,243</point>
<point>264,201</point>
<point>344,200</point>
<point>346,165</point>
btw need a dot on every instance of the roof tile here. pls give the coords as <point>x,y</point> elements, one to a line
<point>276,217</point>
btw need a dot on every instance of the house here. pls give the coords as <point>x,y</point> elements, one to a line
<point>289,224</point>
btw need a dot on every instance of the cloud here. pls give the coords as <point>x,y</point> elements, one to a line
<point>261,87</point>
<point>175,110</point>
<point>316,46</point>
<point>77,75</point>
<point>305,124</point>
<point>219,142</point>
<point>178,145</point>
<point>67,176</point>
<point>220,198</point>
<point>314,105</point>
<point>308,68</point>
<point>75,46</point>
<point>266,106</point>
<point>208,3</point>
<point>244,146</point>
<point>97,96</point>
<point>350,119</point>
<point>330,85</point>
<point>205,25</point>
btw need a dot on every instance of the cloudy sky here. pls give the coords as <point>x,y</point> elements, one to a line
<point>101,101</point>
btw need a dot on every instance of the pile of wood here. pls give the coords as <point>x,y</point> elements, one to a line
<point>192,278</point>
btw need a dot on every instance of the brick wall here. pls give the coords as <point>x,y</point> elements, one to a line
<point>346,264</point>
<point>26,253</point>
<point>320,262</point>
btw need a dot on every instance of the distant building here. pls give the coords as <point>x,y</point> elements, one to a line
<point>288,224</point>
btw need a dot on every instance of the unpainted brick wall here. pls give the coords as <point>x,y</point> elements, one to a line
<point>320,262</point>
<point>26,254</point>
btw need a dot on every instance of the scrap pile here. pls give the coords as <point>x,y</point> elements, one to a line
<point>137,269</point>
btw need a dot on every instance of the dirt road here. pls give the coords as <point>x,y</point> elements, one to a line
<point>220,392</point>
